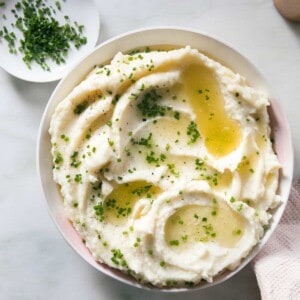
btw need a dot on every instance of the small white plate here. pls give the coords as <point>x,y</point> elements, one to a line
<point>85,13</point>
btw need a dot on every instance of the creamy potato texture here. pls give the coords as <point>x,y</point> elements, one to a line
<point>165,165</point>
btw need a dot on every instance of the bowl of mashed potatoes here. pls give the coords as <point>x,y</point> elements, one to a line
<point>164,159</point>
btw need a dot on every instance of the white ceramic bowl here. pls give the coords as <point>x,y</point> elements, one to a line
<point>149,37</point>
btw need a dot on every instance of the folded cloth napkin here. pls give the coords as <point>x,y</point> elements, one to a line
<point>277,267</point>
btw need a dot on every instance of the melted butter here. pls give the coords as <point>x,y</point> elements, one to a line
<point>246,168</point>
<point>119,204</point>
<point>200,224</point>
<point>221,134</point>
<point>224,180</point>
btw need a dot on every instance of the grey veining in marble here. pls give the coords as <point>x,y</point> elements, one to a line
<point>35,262</point>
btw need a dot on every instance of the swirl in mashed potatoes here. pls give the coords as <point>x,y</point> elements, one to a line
<point>165,165</point>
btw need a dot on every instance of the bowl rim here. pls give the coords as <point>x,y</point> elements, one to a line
<point>286,176</point>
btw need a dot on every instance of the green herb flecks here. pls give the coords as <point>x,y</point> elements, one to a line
<point>74,160</point>
<point>177,115</point>
<point>115,99</point>
<point>111,203</point>
<point>64,138</point>
<point>171,168</point>
<point>99,211</point>
<point>144,190</point>
<point>81,107</point>
<point>162,263</point>
<point>149,106</point>
<point>152,159</point>
<point>137,242</point>
<point>209,233</point>
<point>192,132</point>
<point>237,232</point>
<point>199,164</point>
<point>57,3</point>
<point>118,258</point>
<point>10,38</point>
<point>58,159</point>
<point>78,178</point>
<point>147,142</point>
<point>174,243</point>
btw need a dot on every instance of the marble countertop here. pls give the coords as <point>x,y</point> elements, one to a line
<point>35,261</point>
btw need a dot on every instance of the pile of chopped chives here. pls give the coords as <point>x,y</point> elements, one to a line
<point>44,38</point>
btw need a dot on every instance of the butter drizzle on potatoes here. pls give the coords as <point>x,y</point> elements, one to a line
<point>165,164</point>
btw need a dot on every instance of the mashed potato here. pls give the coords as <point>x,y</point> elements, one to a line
<point>165,165</point>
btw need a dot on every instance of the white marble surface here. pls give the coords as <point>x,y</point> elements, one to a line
<point>35,262</point>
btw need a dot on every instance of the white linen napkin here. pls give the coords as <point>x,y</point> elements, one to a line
<point>277,266</point>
